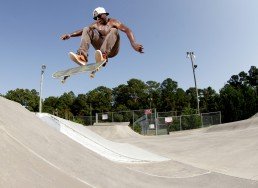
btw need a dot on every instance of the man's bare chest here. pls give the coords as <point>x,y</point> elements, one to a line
<point>104,29</point>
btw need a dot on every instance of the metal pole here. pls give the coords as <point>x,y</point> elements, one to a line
<point>43,67</point>
<point>97,118</point>
<point>180,123</point>
<point>133,120</point>
<point>191,56</point>
<point>90,114</point>
<point>156,121</point>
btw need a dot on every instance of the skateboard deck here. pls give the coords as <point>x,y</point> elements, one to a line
<point>92,68</point>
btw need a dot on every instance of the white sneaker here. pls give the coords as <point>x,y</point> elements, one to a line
<point>99,56</point>
<point>79,59</point>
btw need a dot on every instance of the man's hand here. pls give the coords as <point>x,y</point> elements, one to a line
<point>138,47</point>
<point>65,37</point>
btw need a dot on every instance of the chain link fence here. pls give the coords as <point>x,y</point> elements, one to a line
<point>193,121</point>
<point>211,118</point>
<point>150,122</point>
<point>85,120</point>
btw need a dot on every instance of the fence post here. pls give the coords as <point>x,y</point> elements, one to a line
<point>220,117</point>
<point>133,119</point>
<point>156,122</point>
<point>180,123</point>
<point>201,119</point>
<point>97,118</point>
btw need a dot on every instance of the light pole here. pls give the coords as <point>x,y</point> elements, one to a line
<point>192,56</point>
<point>43,67</point>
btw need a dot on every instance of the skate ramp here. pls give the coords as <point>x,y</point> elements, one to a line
<point>114,131</point>
<point>117,152</point>
<point>33,154</point>
<point>229,149</point>
<point>251,123</point>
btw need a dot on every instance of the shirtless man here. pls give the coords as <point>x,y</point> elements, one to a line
<point>103,35</point>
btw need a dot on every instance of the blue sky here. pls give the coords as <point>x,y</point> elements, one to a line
<point>223,35</point>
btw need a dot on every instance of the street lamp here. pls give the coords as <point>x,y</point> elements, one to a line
<point>192,57</point>
<point>43,67</point>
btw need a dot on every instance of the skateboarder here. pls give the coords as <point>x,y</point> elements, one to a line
<point>103,34</point>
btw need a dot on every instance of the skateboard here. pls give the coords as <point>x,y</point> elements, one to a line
<point>91,67</point>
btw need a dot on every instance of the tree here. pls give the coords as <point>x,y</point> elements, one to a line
<point>241,96</point>
<point>191,95</point>
<point>209,100</point>
<point>138,95</point>
<point>64,105</point>
<point>249,105</point>
<point>27,98</point>
<point>253,80</point>
<point>100,99</point>
<point>253,76</point>
<point>120,97</point>
<point>182,101</point>
<point>231,100</point>
<point>134,95</point>
<point>80,106</point>
<point>153,93</point>
<point>189,119</point>
<point>168,91</point>
<point>50,105</point>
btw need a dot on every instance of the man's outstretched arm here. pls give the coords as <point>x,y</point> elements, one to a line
<point>73,34</point>
<point>137,47</point>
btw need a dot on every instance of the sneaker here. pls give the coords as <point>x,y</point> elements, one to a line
<point>99,56</point>
<point>79,59</point>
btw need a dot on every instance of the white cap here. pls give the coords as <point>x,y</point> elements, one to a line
<point>97,11</point>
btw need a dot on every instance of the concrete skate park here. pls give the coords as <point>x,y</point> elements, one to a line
<point>41,150</point>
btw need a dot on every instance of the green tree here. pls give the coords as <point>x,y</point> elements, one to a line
<point>168,91</point>
<point>250,102</point>
<point>50,105</point>
<point>253,76</point>
<point>209,100</point>
<point>27,98</point>
<point>239,96</point>
<point>80,106</point>
<point>134,95</point>
<point>153,89</point>
<point>100,99</point>
<point>64,105</point>
<point>182,101</point>
<point>138,95</point>
<point>253,80</point>
<point>231,100</point>
<point>191,94</point>
<point>120,96</point>
<point>189,119</point>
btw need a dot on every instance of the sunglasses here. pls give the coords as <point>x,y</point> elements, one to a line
<point>99,16</point>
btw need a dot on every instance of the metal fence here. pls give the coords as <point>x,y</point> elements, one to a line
<point>85,120</point>
<point>186,122</point>
<point>150,122</point>
<point>211,118</point>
